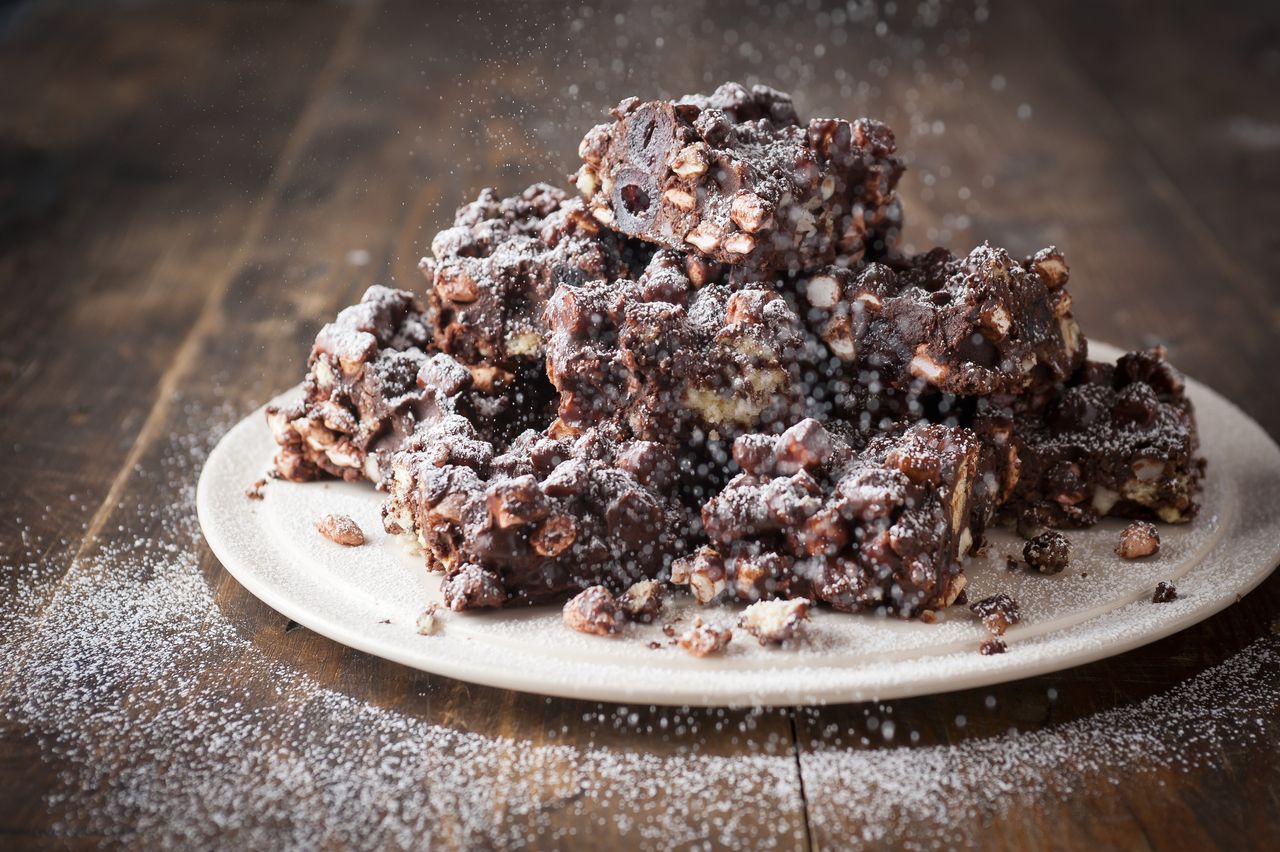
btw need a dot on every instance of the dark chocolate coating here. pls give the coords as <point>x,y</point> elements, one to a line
<point>738,178</point>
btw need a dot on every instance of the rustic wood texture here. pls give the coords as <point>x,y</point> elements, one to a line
<point>187,192</point>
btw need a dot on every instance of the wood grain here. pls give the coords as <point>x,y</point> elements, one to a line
<point>173,230</point>
<point>119,201</point>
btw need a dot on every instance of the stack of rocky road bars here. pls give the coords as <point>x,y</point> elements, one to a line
<point>712,366</point>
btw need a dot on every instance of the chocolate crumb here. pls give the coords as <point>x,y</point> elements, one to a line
<point>997,612</point>
<point>1011,563</point>
<point>992,646</point>
<point>340,529</point>
<point>1164,593</point>
<point>595,611</point>
<point>1048,552</point>
<point>704,639</point>
<point>642,602</point>
<point>428,621</point>
<point>774,622</point>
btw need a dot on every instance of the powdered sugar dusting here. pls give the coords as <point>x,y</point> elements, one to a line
<point>109,680</point>
<point>1230,707</point>
<point>1100,606</point>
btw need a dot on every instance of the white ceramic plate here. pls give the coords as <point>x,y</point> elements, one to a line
<point>369,597</point>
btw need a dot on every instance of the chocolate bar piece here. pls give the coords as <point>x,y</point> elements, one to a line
<point>886,527</point>
<point>360,393</point>
<point>539,522</point>
<point>673,361</point>
<point>370,387</point>
<point>737,177</point>
<point>494,270</point>
<point>980,325</point>
<point>1115,440</point>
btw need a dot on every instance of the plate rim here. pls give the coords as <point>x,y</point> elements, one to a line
<point>1001,668</point>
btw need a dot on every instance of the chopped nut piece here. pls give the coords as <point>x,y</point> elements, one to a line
<point>1164,593</point>
<point>740,244</point>
<point>1048,552</point>
<point>703,639</point>
<point>704,238</point>
<point>643,601</point>
<point>594,611</point>
<point>340,529</point>
<point>924,367</point>
<point>702,572</point>
<point>556,535</point>
<point>691,161</point>
<point>472,587</point>
<point>992,646</point>
<point>1137,540</point>
<point>997,612</point>
<point>254,492</point>
<point>1051,266</point>
<point>774,622</point>
<point>750,212</point>
<point>457,286</point>
<point>516,502</point>
<point>587,181</point>
<point>805,446</point>
<point>429,621</point>
<point>681,199</point>
<point>823,292</point>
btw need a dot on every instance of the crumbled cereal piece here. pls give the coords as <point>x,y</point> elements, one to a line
<point>992,646</point>
<point>340,529</point>
<point>429,622</point>
<point>595,611</point>
<point>703,639</point>
<point>997,612</point>
<point>1165,592</point>
<point>775,621</point>
<point>1048,552</point>
<point>1139,539</point>
<point>643,601</point>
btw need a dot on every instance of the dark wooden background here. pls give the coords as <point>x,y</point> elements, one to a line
<point>185,191</point>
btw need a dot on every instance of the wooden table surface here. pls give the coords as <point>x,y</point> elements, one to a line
<point>188,190</point>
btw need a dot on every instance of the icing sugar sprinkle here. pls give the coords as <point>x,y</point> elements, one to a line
<point>108,680</point>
